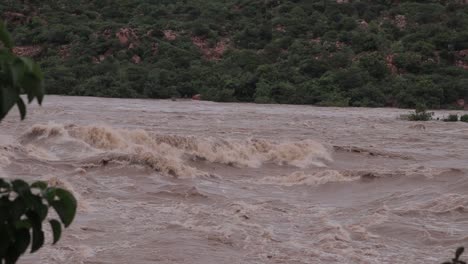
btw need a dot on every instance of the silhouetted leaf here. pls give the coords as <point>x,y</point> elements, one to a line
<point>28,63</point>
<point>12,255</point>
<point>4,186</point>
<point>459,252</point>
<point>36,70</point>
<point>4,241</point>
<point>20,187</point>
<point>40,185</point>
<point>21,107</point>
<point>31,80</point>
<point>32,85</point>
<point>37,234</point>
<point>23,224</point>
<point>56,229</point>
<point>5,37</point>
<point>17,208</point>
<point>22,241</point>
<point>8,97</point>
<point>4,209</point>
<point>65,206</point>
<point>49,194</point>
<point>38,206</point>
<point>38,240</point>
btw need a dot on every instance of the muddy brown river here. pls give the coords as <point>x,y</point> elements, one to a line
<point>207,183</point>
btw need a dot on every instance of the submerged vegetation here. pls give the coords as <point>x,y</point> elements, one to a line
<point>451,118</point>
<point>464,118</point>
<point>324,52</point>
<point>419,114</point>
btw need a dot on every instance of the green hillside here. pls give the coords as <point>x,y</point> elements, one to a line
<point>324,52</point>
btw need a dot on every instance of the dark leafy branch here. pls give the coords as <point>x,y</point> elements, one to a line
<point>24,207</point>
<point>457,259</point>
<point>17,75</point>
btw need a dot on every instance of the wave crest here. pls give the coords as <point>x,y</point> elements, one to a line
<point>316,178</point>
<point>169,153</point>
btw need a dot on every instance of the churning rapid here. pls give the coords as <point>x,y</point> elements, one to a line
<point>209,183</point>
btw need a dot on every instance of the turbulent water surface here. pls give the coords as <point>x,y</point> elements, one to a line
<point>209,183</point>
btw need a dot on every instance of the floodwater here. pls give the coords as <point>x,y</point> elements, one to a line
<point>201,182</point>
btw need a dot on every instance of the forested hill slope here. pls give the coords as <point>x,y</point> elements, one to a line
<point>327,52</point>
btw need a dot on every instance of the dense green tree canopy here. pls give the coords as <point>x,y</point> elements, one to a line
<point>361,53</point>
